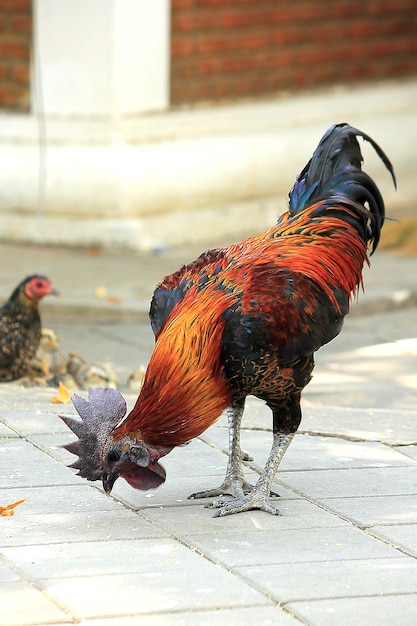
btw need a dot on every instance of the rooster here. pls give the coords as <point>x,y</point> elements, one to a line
<point>238,321</point>
<point>20,326</point>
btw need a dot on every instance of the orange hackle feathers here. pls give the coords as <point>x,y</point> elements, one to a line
<point>328,251</point>
<point>184,390</point>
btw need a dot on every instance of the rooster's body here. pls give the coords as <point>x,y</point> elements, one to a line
<point>20,326</point>
<point>243,320</point>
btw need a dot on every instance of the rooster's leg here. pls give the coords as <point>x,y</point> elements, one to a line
<point>258,498</point>
<point>234,483</point>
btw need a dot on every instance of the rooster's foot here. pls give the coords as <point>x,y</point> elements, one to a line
<point>252,501</point>
<point>229,487</point>
<point>246,457</point>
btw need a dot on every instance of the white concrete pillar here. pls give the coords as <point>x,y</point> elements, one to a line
<point>101,57</point>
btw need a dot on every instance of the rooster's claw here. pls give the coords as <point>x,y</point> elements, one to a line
<point>227,488</point>
<point>253,501</point>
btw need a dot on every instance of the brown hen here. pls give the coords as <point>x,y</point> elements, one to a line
<point>20,326</point>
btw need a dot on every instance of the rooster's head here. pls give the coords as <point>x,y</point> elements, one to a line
<point>101,454</point>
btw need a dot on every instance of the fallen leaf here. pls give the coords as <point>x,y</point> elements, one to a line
<point>6,511</point>
<point>100,292</point>
<point>113,299</point>
<point>94,251</point>
<point>64,395</point>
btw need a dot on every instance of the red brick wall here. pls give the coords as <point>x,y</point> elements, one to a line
<point>244,48</point>
<point>15,40</point>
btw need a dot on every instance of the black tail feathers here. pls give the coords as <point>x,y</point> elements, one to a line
<point>334,172</point>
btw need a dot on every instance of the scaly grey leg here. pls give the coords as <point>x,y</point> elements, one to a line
<point>258,498</point>
<point>234,483</point>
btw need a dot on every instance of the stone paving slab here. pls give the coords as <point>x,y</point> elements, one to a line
<point>348,483</point>
<point>378,610</point>
<point>27,423</point>
<point>22,604</point>
<point>403,536</point>
<point>335,579</point>
<point>35,400</point>
<point>184,586</point>
<point>78,497</point>
<point>410,451</point>
<point>374,509</point>
<point>5,431</point>
<point>48,529</point>
<point>299,545</point>
<point>154,557</point>
<point>391,365</point>
<point>7,574</point>
<point>392,426</point>
<point>22,465</point>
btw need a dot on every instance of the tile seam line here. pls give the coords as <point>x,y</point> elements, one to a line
<point>202,554</point>
<point>363,528</point>
<point>34,583</point>
<point>374,595</point>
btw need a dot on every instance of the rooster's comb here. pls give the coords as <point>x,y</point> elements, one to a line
<point>103,410</point>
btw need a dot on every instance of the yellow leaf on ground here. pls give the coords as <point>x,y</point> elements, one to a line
<point>6,511</point>
<point>100,292</point>
<point>63,395</point>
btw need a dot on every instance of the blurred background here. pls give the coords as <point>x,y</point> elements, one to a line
<point>144,124</point>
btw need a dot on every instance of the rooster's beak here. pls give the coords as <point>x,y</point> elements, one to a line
<point>108,480</point>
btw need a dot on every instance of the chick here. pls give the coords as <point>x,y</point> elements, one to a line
<point>55,360</point>
<point>96,375</point>
<point>135,379</point>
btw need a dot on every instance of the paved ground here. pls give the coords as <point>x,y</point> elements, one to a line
<point>344,550</point>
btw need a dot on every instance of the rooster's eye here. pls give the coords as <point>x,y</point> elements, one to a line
<point>113,456</point>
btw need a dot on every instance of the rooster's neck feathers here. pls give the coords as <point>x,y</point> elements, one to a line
<point>185,389</point>
<point>325,248</point>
